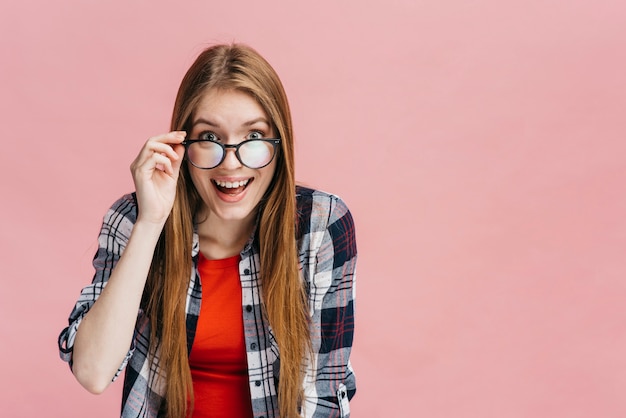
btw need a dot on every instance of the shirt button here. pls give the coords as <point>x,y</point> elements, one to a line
<point>253,346</point>
<point>246,271</point>
<point>248,308</point>
<point>257,383</point>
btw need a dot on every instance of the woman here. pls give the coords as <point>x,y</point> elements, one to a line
<point>232,286</point>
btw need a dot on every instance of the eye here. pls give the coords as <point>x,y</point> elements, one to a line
<point>255,135</point>
<point>208,135</point>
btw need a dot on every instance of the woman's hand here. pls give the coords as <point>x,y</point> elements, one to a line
<point>107,328</point>
<point>155,173</point>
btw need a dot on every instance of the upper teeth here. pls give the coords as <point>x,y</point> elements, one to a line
<point>231,184</point>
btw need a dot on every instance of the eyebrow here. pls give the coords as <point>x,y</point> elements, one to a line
<point>216,125</point>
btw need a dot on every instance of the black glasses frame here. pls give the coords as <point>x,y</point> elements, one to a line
<point>273,141</point>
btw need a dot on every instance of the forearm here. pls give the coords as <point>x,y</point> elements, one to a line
<point>105,333</point>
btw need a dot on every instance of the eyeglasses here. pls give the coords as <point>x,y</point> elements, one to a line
<point>253,153</point>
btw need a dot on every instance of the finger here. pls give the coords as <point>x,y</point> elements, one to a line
<point>162,163</point>
<point>165,149</point>
<point>145,169</point>
<point>151,147</point>
<point>176,153</point>
<point>161,144</point>
<point>180,152</point>
<point>174,137</point>
<point>166,142</point>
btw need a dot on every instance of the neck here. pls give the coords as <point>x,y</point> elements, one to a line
<point>222,239</point>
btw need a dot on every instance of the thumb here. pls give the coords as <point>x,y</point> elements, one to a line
<point>180,150</point>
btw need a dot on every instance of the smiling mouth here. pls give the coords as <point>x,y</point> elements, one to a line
<point>231,188</point>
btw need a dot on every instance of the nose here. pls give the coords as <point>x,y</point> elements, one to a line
<point>230,159</point>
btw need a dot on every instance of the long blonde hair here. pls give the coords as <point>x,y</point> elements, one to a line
<point>284,299</point>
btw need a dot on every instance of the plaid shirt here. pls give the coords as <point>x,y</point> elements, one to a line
<point>327,253</point>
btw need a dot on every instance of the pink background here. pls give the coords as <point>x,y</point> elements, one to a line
<point>479,144</point>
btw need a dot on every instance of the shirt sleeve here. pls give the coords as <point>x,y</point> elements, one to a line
<point>116,227</point>
<point>330,381</point>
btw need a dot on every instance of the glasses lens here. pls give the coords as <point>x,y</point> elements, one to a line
<point>256,154</point>
<point>205,154</point>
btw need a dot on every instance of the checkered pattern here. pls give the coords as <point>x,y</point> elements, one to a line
<point>327,254</point>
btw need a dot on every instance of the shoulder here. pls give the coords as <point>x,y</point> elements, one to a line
<point>126,205</point>
<point>322,211</point>
<point>122,213</point>
<point>319,205</point>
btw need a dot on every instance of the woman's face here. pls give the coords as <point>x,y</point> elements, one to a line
<point>231,191</point>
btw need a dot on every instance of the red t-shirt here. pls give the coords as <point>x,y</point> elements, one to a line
<point>219,366</point>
